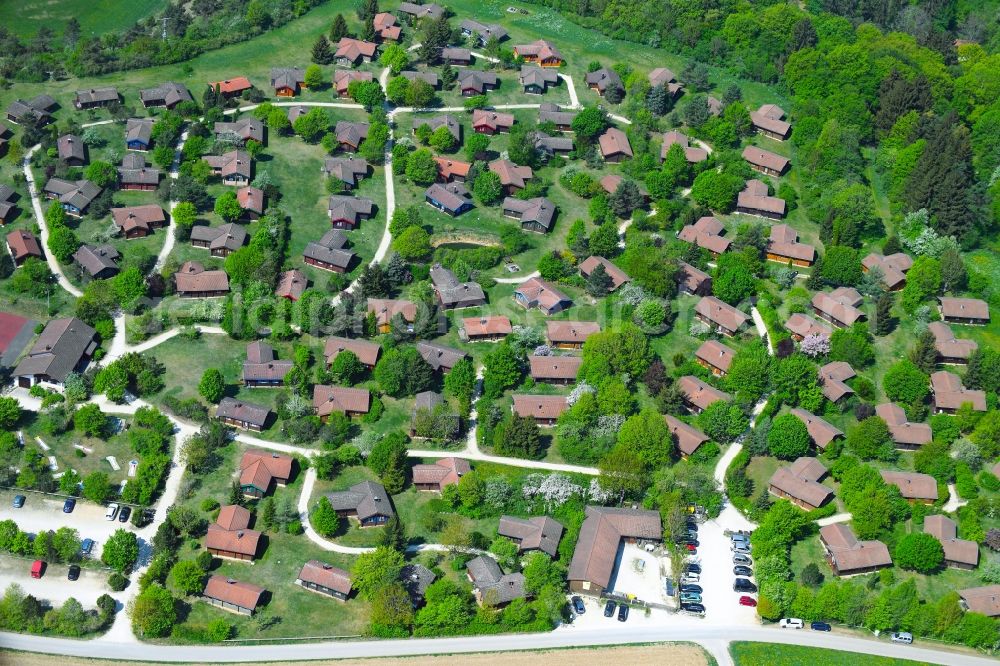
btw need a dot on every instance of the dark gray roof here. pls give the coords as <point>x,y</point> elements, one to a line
<point>445,120</point>
<point>97,95</point>
<point>475,79</point>
<point>78,194</point>
<point>346,169</point>
<point>134,170</point>
<point>439,356</point>
<point>430,77</point>
<point>330,249</point>
<point>59,349</point>
<point>97,258</point>
<point>70,146</point>
<point>243,411</point>
<point>139,129</point>
<point>539,210</point>
<point>603,78</point>
<point>493,584</point>
<point>167,94</point>
<point>368,498</point>
<point>229,236</point>
<point>552,113</point>
<point>287,77</point>
<point>416,579</point>
<point>427,400</point>
<point>451,291</point>
<point>538,533</point>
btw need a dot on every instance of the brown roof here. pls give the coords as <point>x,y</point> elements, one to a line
<point>832,377</point>
<point>493,325</point>
<point>510,173</point>
<point>615,142</point>
<point>692,278</point>
<point>755,197</point>
<point>836,309</point>
<point>277,465</point>
<point>765,158</point>
<point>438,356</point>
<point>70,146</point>
<point>326,575</point>
<point>693,155</point>
<point>554,367</point>
<point>850,554</point>
<point>687,437</point>
<point>617,275</point>
<point>808,491</point>
<point>821,432</point>
<point>250,198</point>
<point>291,284</point>
<point>352,49</point>
<point>660,76</point>
<point>386,308</point>
<point>601,532</point>
<point>957,550</point>
<point>385,25</point>
<point>540,406</point>
<point>950,393</point>
<point>193,278</point>
<point>243,411</point>
<point>342,78</point>
<point>329,399</point>
<point>232,591</point>
<point>720,313</point>
<point>538,533</point>
<point>803,324</point>
<point>700,394</point>
<point>23,244</point>
<point>443,472</point>
<point>715,354</point>
<point>541,292</point>
<point>985,600</point>
<point>966,308</point>
<point>367,352</point>
<point>492,119</point>
<point>769,117</point>
<point>233,517</point>
<point>237,84</point>
<point>59,350</point>
<point>707,233</point>
<point>245,128</point>
<point>784,243</point>
<point>570,331</point>
<point>902,431</point>
<point>240,541</point>
<point>912,485</point>
<point>138,217</point>
<point>808,468</point>
<point>947,345</point>
<point>235,162</point>
<point>540,48</point>
<point>448,167</point>
<point>893,267</point>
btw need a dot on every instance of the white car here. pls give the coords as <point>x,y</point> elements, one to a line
<point>902,637</point>
<point>111,512</point>
<point>790,623</point>
<point>740,548</point>
<point>689,578</point>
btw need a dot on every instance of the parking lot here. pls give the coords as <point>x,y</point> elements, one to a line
<point>639,573</point>
<point>53,586</point>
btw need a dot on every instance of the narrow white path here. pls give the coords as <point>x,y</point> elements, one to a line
<point>168,242</point>
<point>758,322</point>
<point>954,501</point>
<point>517,280</point>
<point>574,101</point>
<point>621,119</point>
<point>836,518</point>
<point>36,205</point>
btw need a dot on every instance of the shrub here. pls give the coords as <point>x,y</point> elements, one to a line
<point>117,582</point>
<point>919,552</point>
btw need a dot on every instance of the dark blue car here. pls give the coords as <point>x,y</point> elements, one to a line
<point>820,626</point>
<point>69,505</point>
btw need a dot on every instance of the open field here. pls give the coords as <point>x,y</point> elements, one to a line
<point>96,17</point>
<point>774,654</point>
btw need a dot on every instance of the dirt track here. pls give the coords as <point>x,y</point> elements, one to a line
<point>647,655</point>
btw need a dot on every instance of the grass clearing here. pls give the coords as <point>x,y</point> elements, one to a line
<point>96,17</point>
<point>774,654</point>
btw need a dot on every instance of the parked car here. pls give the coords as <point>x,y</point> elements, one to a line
<point>578,606</point>
<point>748,601</point>
<point>739,538</point>
<point>609,609</point>
<point>622,612</point>
<point>86,546</point>
<point>691,526</point>
<point>69,505</point>
<point>692,588</point>
<point>111,512</point>
<point>74,572</point>
<point>37,569</point>
<point>691,548</point>
<point>689,541</point>
<point>743,585</point>
<point>740,548</point>
<point>790,623</point>
<point>742,559</point>
<point>901,637</point>
<point>18,501</point>
<point>691,597</point>
<point>741,570</point>
<point>690,577</point>
<point>692,567</point>
<point>697,609</point>
<point>124,514</point>
<point>820,626</point>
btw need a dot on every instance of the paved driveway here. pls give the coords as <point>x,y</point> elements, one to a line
<point>716,559</point>
<point>639,573</point>
<point>53,586</point>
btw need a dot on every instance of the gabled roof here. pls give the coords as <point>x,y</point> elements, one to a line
<point>291,284</point>
<point>893,267</point>
<point>242,541</point>
<point>96,95</point>
<point>77,194</point>
<point>277,465</point>
<point>349,209</point>
<point>367,352</point>
<point>97,258</point>
<point>234,592</point>
<point>23,244</point>
<point>234,85</point>
<point>538,210</point>
<point>540,406</point>
<point>139,129</point>
<point>721,313</point>
<point>600,534</point>
<point>385,25</point>
<point>542,293</point>
<point>329,249</point>
<point>707,233</point>
<point>134,171</point>
<point>769,117</point>
<point>947,345</point>
<point>59,349</point>
<point>287,77</point>
<point>784,243</point>
<point>575,332</point>
<point>765,158</point>
<point>755,197</point>
<point>821,432</point>
<point>243,411</point>
<point>168,93</point>
<point>532,75</point>
<point>447,168</point>
<point>691,277</point>
<point>715,354</point>
<point>233,517</point>
<point>554,367</point>
<point>604,78</point>
<point>901,430</point>
<point>693,155</point>
<point>142,217</point>
<point>836,309</point>
<point>326,575</point>
<point>368,498</point>
<point>804,325</point>
<point>439,356</point>
<point>492,119</point>
<point>848,553</point>
<point>229,236</point>
<point>351,132</point>
<point>966,308</point>
<point>245,128</point>
<point>614,142</point>
<point>386,308</point>
<point>455,53</point>
<point>193,278</point>
<point>950,393</point>
<point>428,77</point>
<point>800,488</point>
<point>70,146</point>
<point>474,79</point>
<point>451,291</point>
<point>432,10</point>
<point>687,437</point>
<point>550,112</point>
<point>537,533</point>
<point>912,485</point>
<point>329,399</point>
<point>617,275</point>
<point>235,162</point>
<point>444,120</point>
<point>700,394</point>
<point>832,377</point>
<point>541,49</point>
<point>492,325</point>
<point>342,79</point>
<point>661,76</point>
<point>250,198</point>
<point>444,471</point>
<point>985,600</point>
<point>484,30</point>
<point>450,195</point>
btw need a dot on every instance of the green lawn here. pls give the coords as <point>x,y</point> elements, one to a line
<point>62,447</point>
<point>96,17</point>
<point>774,654</point>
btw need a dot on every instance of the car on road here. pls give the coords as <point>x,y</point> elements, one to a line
<point>743,585</point>
<point>111,512</point>
<point>820,626</point>
<point>692,588</point>
<point>748,601</point>
<point>692,567</point>
<point>69,505</point>
<point>742,559</point>
<point>691,597</point>
<point>609,609</point>
<point>578,606</point>
<point>86,546</point>
<point>623,612</point>
<point>740,570</point>
<point>901,637</point>
<point>697,609</point>
<point>790,623</point>
<point>19,501</point>
<point>124,514</point>
<point>74,572</point>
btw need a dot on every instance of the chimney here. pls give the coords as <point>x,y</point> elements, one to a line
<point>239,535</point>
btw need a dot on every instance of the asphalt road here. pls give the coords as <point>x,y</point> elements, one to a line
<point>622,634</point>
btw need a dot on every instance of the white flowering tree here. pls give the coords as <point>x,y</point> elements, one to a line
<point>815,345</point>
<point>595,493</point>
<point>365,442</point>
<point>497,492</point>
<point>578,391</point>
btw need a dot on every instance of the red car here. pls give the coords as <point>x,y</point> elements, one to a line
<point>748,601</point>
<point>692,548</point>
